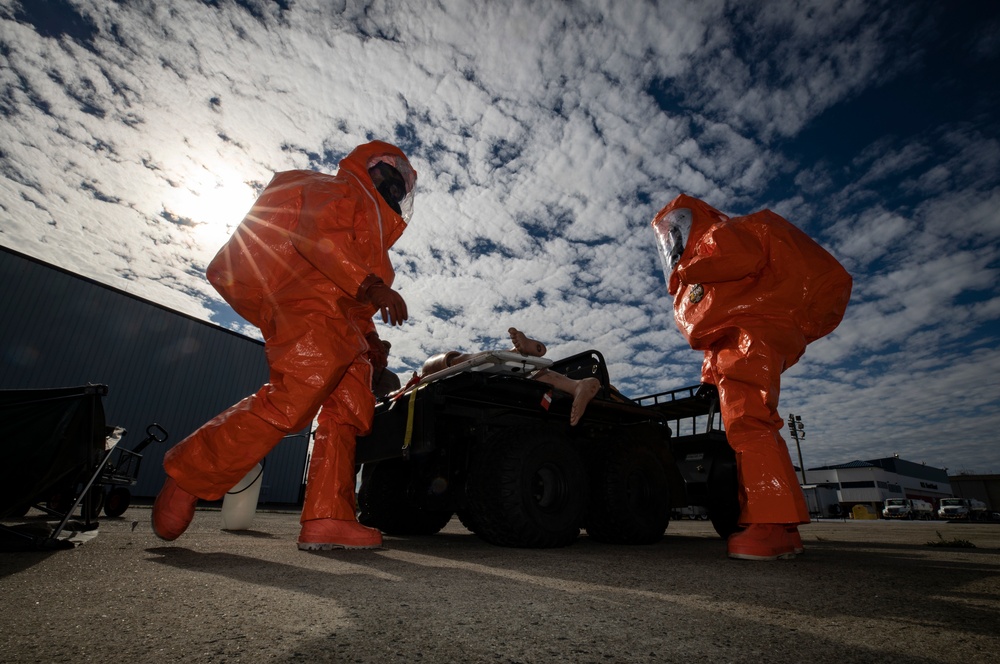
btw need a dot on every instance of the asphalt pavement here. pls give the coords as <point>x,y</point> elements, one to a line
<point>864,591</point>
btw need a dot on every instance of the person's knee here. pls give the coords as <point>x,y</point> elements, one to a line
<point>286,411</point>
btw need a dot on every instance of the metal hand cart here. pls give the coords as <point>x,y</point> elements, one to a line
<point>122,471</point>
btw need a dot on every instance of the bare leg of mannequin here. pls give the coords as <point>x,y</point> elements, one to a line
<point>524,345</point>
<point>583,391</point>
<point>442,361</point>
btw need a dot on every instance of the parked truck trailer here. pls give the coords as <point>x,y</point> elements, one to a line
<point>907,508</point>
<point>962,509</point>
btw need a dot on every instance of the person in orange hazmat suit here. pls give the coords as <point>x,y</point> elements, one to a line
<point>751,292</point>
<point>309,266</point>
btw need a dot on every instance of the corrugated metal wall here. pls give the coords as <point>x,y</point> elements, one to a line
<point>58,330</point>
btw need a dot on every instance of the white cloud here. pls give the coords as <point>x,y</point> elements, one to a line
<point>543,154</point>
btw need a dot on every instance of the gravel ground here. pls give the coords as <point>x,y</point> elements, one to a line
<point>864,591</point>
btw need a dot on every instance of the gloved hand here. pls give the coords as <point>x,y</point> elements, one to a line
<point>389,302</point>
<point>376,352</point>
<point>707,391</point>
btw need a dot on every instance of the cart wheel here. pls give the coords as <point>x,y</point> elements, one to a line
<point>388,501</point>
<point>60,502</point>
<point>468,520</point>
<point>629,497</point>
<point>528,489</point>
<point>724,498</point>
<point>21,511</point>
<point>117,501</point>
<point>96,502</point>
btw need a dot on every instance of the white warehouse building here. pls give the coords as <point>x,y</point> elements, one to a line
<point>870,483</point>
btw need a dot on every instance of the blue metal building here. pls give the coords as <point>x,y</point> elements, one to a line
<point>58,329</point>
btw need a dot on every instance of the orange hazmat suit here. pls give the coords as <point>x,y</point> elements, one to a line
<point>751,292</point>
<point>300,267</point>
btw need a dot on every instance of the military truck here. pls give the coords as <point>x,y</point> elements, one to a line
<point>484,441</point>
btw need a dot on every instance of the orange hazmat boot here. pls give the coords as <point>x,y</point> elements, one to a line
<point>173,510</point>
<point>329,534</point>
<point>761,541</point>
<point>793,534</point>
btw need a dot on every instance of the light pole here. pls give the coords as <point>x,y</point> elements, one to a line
<point>797,430</point>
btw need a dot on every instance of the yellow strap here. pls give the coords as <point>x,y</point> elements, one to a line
<point>409,417</point>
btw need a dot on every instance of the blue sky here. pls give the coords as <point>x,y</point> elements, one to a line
<point>133,137</point>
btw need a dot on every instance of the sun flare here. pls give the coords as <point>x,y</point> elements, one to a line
<point>214,203</point>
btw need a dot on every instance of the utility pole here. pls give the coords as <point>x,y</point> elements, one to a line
<point>797,430</point>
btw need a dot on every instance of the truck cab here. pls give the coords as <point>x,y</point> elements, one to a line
<point>907,508</point>
<point>962,509</point>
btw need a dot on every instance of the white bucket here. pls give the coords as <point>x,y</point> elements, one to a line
<point>240,504</point>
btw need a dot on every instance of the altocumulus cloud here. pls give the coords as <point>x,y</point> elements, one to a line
<point>136,135</point>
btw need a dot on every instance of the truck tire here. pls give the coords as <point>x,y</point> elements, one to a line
<point>723,502</point>
<point>466,519</point>
<point>629,496</point>
<point>527,489</point>
<point>386,501</point>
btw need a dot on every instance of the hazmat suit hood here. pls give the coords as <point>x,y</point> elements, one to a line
<point>732,273</point>
<point>677,227</point>
<point>364,157</point>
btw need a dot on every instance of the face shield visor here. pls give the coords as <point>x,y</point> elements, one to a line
<point>395,181</point>
<point>672,231</point>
